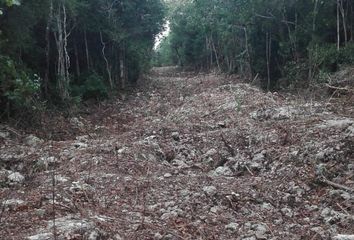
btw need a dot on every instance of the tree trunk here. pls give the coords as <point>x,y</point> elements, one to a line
<point>108,67</point>
<point>47,51</point>
<point>268,56</point>
<point>249,70</point>
<point>61,36</point>
<point>338,27</point>
<point>87,51</point>
<point>77,62</point>
<point>344,21</point>
<point>122,68</point>
<point>216,54</point>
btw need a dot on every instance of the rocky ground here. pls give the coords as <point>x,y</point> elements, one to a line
<point>184,157</point>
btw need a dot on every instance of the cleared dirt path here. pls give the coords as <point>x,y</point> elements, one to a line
<point>185,157</point>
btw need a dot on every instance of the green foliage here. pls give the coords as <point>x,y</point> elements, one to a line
<point>63,40</point>
<point>19,88</point>
<point>93,87</point>
<point>277,39</point>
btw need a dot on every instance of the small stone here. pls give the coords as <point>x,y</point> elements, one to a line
<point>94,235</point>
<point>222,171</point>
<point>287,212</point>
<point>4,134</point>
<point>16,177</point>
<point>221,124</point>
<point>13,204</point>
<point>122,150</point>
<point>47,161</point>
<point>169,215</point>
<point>167,175</point>
<point>32,140</point>
<point>175,136</point>
<point>211,152</point>
<point>232,227</point>
<point>76,122</point>
<point>3,176</point>
<point>215,209</point>
<point>210,190</point>
<point>259,157</point>
<point>260,229</point>
<point>343,237</point>
<point>158,236</point>
<point>80,145</point>
<point>266,206</point>
<point>320,156</point>
<point>117,237</point>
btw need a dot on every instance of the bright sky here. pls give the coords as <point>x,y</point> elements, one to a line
<point>162,35</point>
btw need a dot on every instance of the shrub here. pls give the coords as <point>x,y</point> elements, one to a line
<point>93,87</point>
<point>19,88</point>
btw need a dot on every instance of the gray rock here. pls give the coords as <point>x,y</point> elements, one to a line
<point>179,163</point>
<point>211,152</point>
<point>350,131</point>
<point>175,136</point>
<point>215,209</point>
<point>158,236</point>
<point>167,175</point>
<point>47,161</point>
<point>3,176</point>
<point>232,227</point>
<point>169,215</point>
<point>33,140</point>
<point>210,190</point>
<point>16,178</point>
<point>75,122</point>
<point>343,237</point>
<point>337,123</point>
<point>281,113</point>
<point>80,145</point>
<point>68,226</point>
<point>260,229</point>
<point>4,134</point>
<point>222,171</point>
<point>287,212</point>
<point>13,204</point>
<point>259,157</point>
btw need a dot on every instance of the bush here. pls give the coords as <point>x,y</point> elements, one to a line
<point>19,88</point>
<point>93,87</point>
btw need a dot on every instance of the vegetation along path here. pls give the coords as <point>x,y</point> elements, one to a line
<point>213,159</point>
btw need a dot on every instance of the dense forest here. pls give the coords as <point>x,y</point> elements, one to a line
<point>284,43</point>
<point>64,51</point>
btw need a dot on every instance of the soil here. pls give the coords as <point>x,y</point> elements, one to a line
<point>184,156</point>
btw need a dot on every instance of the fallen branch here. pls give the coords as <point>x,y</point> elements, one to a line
<point>340,88</point>
<point>336,185</point>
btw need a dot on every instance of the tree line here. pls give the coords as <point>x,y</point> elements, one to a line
<point>283,42</point>
<point>68,50</point>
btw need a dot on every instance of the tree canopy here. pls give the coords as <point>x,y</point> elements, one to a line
<point>282,42</point>
<point>64,50</point>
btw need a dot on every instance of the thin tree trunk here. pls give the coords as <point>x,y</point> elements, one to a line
<point>268,56</point>
<point>77,62</point>
<point>248,54</point>
<point>61,36</point>
<point>122,67</point>
<point>344,21</point>
<point>108,68</point>
<point>338,27</point>
<point>216,54</point>
<point>87,50</point>
<point>47,50</point>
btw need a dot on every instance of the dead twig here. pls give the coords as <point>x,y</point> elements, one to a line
<point>230,149</point>
<point>337,185</point>
<point>340,88</point>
